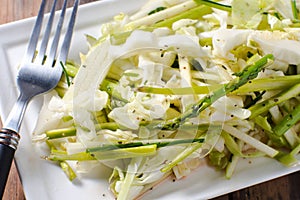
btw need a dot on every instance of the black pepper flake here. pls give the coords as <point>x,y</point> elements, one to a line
<point>140,175</point>
<point>174,180</point>
<point>151,188</point>
<point>276,100</point>
<point>231,115</point>
<point>263,104</point>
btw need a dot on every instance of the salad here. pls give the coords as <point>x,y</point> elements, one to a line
<point>177,85</point>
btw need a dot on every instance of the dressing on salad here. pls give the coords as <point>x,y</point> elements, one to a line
<point>177,85</point>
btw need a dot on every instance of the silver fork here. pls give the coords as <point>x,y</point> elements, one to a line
<point>38,74</point>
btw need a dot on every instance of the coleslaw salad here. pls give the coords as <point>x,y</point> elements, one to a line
<point>177,85</point>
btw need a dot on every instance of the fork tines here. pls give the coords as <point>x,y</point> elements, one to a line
<point>41,56</point>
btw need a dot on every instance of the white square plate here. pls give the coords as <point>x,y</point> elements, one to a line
<point>44,180</point>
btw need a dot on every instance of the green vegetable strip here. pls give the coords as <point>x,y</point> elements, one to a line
<point>184,154</point>
<point>264,106</point>
<point>233,161</point>
<point>287,159</point>
<point>214,5</point>
<point>262,84</point>
<point>123,153</point>
<point>63,164</point>
<point>231,166</point>
<point>66,74</point>
<point>68,170</point>
<point>247,74</point>
<point>71,131</point>
<point>108,125</point>
<point>179,91</point>
<point>218,159</point>
<point>294,9</point>
<point>160,143</point>
<point>273,83</point>
<point>162,15</point>
<point>264,124</point>
<point>129,178</point>
<point>71,69</point>
<point>296,150</point>
<point>60,133</point>
<point>251,141</point>
<point>104,155</point>
<point>232,146</point>
<point>109,87</point>
<point>287,122</point>
<point>63,156</point>
<point>194,13</point>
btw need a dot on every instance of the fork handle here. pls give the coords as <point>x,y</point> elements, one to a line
<point>9,140</point>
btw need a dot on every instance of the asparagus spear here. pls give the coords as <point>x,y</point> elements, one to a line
<point>264,106</point>
<point>243,77</point>
<point>287,122</point>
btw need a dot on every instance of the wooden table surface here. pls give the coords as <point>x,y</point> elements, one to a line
<point>287,187</point>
